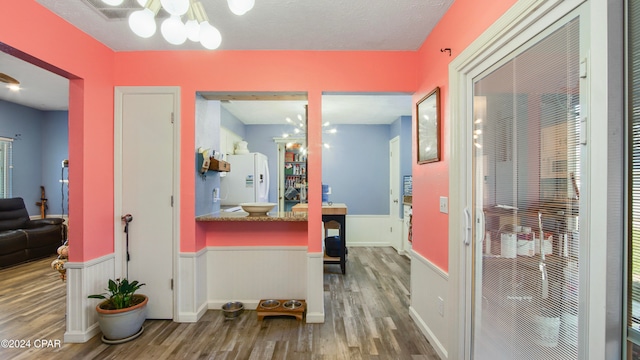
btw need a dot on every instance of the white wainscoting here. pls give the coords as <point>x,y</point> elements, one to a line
<point>429,284</point>
<point>249,274</point>
<point>315,286</point>
<point>84,279</point>
<point>192,286</point>
<point>369,230</point>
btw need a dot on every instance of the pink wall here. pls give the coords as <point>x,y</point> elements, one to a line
<point>313,72</point>
<point>256,234</point>
<point>464,22</point>
<point>97,70</point>
<point>61,48</point>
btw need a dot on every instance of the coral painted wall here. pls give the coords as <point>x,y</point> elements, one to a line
<point>305,71</point>
<point>61,48</point>
<point>95,70</point>
<point>464,22</point>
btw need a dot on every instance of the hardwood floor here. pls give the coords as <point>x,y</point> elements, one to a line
<point>366,317</point>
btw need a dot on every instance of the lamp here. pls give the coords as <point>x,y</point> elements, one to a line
<point>196,28</point>
<point>297,129</point>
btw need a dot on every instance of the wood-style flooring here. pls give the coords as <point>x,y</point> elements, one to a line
<point>366,317</point>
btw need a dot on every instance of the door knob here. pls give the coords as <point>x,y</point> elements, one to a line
<point>395,201</point>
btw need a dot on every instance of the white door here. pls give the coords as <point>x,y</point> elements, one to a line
<point>395,195</point>
<point>147,177</point>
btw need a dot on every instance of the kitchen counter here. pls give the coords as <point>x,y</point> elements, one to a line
<point>240,216</point>
<point>333,209</point>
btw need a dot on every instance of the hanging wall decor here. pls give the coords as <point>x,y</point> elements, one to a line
<point>428,127</point>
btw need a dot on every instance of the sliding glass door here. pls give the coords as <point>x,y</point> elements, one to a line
<point>526,197</point>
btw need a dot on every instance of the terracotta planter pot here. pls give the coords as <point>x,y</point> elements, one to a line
<point>123,324</point>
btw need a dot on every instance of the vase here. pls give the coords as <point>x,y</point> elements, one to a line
<point>122,325</point>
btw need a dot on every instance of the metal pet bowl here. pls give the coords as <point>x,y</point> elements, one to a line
<point>292,304</point>
<point>270,304</point>
<point>232,309</point>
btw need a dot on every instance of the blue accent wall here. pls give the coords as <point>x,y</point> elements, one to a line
<point>229,121</point>
<point>55,149</point>
<point>356,167</point>
<point>207,127</point>
<point>41,143</point>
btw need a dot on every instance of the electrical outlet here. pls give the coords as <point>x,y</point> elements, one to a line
<point>216,194</point>
<point>440,306</point>
<point>444,205</point>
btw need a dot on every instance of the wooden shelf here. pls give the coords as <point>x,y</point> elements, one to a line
<point>219,165</point>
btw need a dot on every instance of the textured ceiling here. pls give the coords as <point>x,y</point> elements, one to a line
<point>377,25</point>
<point>277,24</point>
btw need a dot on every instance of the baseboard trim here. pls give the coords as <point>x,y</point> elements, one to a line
<point>370,244</point>
<point>188,317</point>
<point>315,318</point>
<point>217,304</point>
<point>426,331</point>
<point>81,337</point>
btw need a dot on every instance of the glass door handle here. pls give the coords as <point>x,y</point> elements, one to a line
<point>467,226</point>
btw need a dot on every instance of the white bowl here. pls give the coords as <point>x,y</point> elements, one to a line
<point>259,208</point>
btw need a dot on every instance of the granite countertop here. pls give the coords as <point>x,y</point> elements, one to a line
<point>243,216</point>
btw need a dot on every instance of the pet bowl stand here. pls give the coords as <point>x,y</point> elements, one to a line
<point>280,310</point>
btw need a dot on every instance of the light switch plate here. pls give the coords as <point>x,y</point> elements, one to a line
<point>444,205</point>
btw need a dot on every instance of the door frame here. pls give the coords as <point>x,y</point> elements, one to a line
<point>520,23</point>
<point>119,236</point>
<point>394,218</point>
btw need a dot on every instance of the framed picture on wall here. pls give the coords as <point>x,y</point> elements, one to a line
<point>428,125</point>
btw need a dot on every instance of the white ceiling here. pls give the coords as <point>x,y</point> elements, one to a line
<point>39,88</point>
<point>276,24</point>
<point>378,25</point>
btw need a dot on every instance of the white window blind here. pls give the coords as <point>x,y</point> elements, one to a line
<point>526,183</point>
<point>6,167</point>
<point>633,291</point>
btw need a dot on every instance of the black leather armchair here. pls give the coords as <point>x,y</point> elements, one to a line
<point>23,239</point>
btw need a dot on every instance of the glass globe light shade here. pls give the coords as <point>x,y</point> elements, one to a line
<point>175,7</point>
<point>210,37</point>
<point>240,7</point>
<point>113,2</point>
<point>193,30</point>
<point>173,30</point>
<point>142,23</point>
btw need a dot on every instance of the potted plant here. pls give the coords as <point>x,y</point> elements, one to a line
<point>122,312</point>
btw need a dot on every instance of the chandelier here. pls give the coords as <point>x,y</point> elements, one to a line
<point>298,128</point>
<point>196,28</point>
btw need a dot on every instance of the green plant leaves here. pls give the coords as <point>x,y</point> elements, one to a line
<point>120,293</point>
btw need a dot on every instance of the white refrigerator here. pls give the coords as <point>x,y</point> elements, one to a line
<point>247,181</point>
